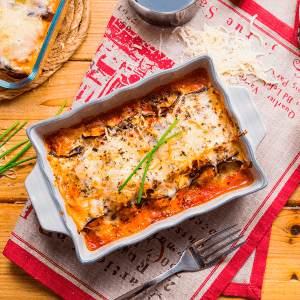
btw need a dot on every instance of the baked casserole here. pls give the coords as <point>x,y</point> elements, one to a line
<point>23,28</point>
<point>93,160</point>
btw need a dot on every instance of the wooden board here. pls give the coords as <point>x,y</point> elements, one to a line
<point>283,264</point>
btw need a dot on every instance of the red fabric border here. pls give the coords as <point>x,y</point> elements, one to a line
<point>259,265</point>
<point>253,289</point>
<point>57,265</point>
<point>240,290</point>
<point>261,29</point>
<point>253,239</point>
<point>59,284</point>
<point>282,29</point>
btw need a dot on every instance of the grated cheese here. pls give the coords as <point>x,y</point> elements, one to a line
<point>271,68</point>
<point>251,26</point>
<point>12,174</point>
<point>232,55</point>
<point>175,29</point>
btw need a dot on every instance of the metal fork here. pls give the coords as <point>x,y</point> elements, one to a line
<point>194,258</point>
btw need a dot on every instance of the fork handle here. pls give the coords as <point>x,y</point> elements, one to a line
<point>144,286</point>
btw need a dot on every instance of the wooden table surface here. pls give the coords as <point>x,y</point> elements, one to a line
<point>283,263</point>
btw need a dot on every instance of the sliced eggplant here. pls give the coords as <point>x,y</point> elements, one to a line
<point>232,164</point>
<point>157,198</point>
<point>204,89</point>
<point>155,100</point>
<point>18,74</point>
<point>231,157</point>
<point>115,214</point>
<point>75,151</point>
<point>88,221</point>
<point>167,109</point>
<point>126,123</point>
<point>93,136</point>
<point>195,172</point>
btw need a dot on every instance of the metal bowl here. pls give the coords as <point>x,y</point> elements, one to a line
<point>166,19</point>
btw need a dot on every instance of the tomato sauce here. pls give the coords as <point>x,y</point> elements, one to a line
<point>135,219</point>
<point>131,220</point>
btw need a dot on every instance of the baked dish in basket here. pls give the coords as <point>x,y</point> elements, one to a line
<point>93,160</point>
<point>23,28</point>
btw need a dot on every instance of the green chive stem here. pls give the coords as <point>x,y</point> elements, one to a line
<point>62,107</point>
<point>144,176</point>
<point>16,157</point>
<point>149,153</point>
<point>145,158</point>
<point>9,129</point>
<point>12,162</point>
<point>149,162</point>
<point>14,147</point>
<point>2,170</point>
<point>13,134</point>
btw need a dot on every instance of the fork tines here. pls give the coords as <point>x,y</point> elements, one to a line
<point>203,252</point>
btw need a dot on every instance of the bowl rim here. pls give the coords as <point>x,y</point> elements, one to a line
<point>171,12</point>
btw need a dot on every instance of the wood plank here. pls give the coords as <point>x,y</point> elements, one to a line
<point>44,101</point>
<point>283,261</point>
<point>40,104</point>
<point>15,283</point>
<point>294,199</point>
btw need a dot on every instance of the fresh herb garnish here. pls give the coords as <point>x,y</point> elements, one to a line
<point>150,156</point>
<point>15,158</point>
<point>148,164</point>
<point>14,147</point>
<point>11,163</point>
<point>145,158</point>
<point>9,129</point>
<point>12,133</point>
<point>62,107</point>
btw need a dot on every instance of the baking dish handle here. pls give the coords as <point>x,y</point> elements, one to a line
<point>246,111</point>
<point>45,207</point>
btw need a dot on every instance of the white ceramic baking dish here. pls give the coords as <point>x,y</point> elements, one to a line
<point>49,204</point>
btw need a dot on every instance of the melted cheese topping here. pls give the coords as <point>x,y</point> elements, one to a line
<point>251,29</point>
<point>89,180</point>
<point>232,55</point>
<point>23,28</point>
<point>49,5</point>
